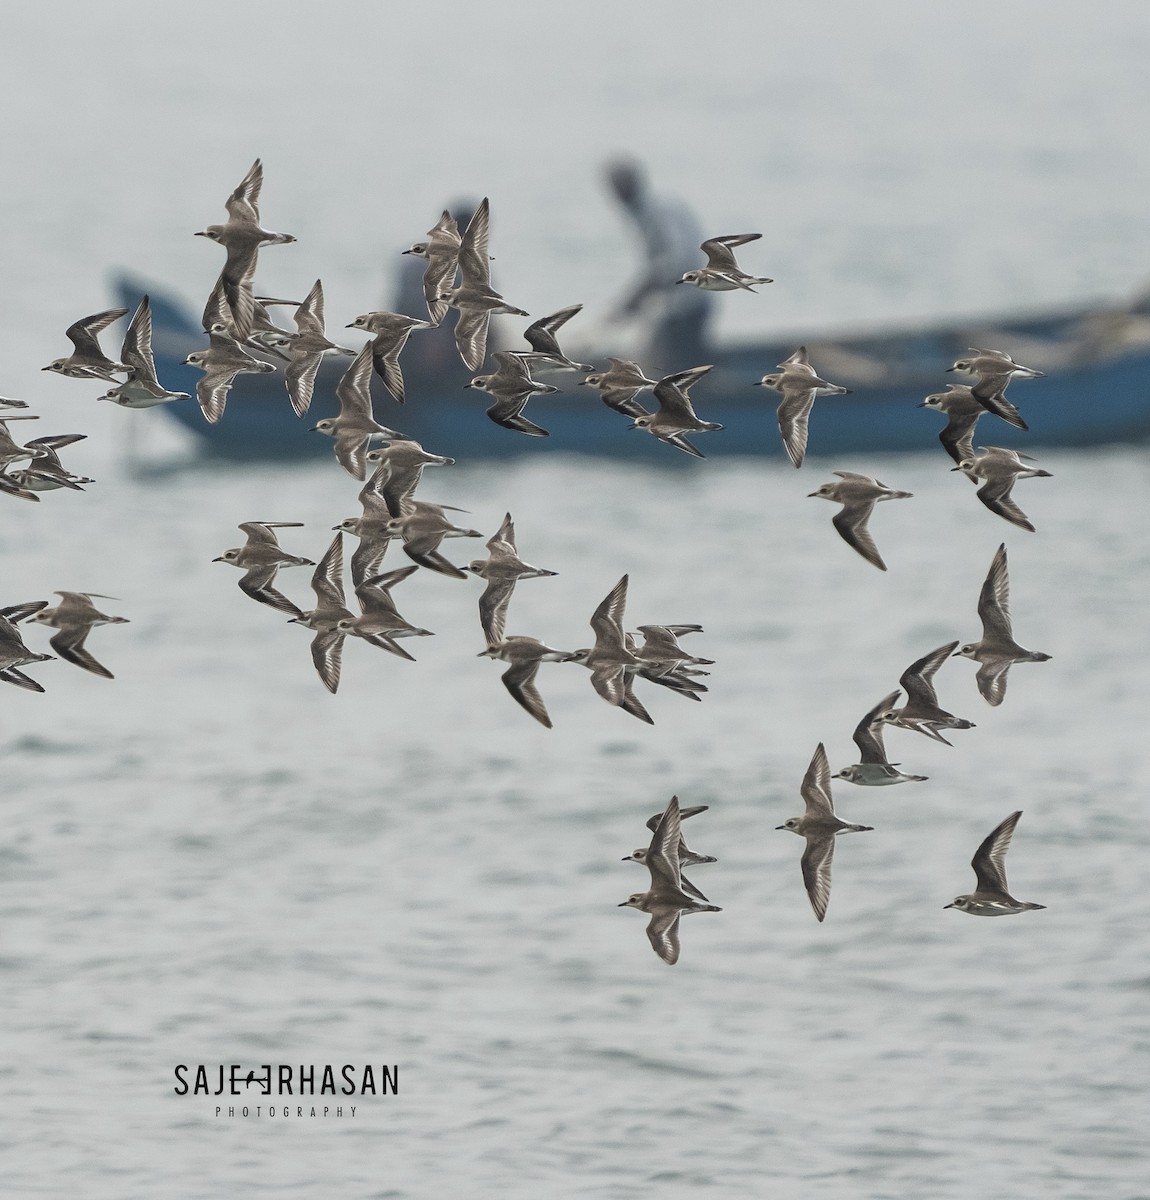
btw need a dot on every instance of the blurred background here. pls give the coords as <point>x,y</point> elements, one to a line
<point>210,859</point>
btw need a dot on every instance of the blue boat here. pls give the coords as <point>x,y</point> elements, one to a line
<point>1096,391</point>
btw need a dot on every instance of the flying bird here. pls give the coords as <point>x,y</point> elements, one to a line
<point>922,712</point>
<point>474,299</point>
<point>990,897</point>
<point>324,618</point>
<point>996,651</point>
<point>545,351</point>
<point>610,662</point>
<point>306,350</point>
<point>620,384</point>
<point>873,769</point>
<point>858,495</point>
<point>819,826</point>
<point>355,426</point>
<point>962,410</point>
<point>666,899</point>
<point>441,251</point>
<point>390,332</point>
<point>676,415</point>
<point>502,569</point>
<point>87,360</point>
<point>260,557</point>
<point>511,386</point>
<point>75,617</point>
<point>722,273</point>
<point>141,389</point>
<point>1000,468</point>
<point>223,360</point>
<point>798,384</point>
<point>524,654</point>
<point>242,236</point>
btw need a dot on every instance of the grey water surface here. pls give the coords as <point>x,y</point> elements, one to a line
<point>211,860</point>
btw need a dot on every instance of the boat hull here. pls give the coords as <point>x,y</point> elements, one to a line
<point>1095,401</point>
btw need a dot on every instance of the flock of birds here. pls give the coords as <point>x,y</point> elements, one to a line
<point>239,326</point>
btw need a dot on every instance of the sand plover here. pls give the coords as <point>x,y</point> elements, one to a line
<point>423,527</point>
<point>511,386</point>
<point>356,426</point>
<point>996,651</point>
<point>87,360</point>
<point>545,351</point>
<point>75,617</point>
<point>873,769</point>
<point>1000,468</point>
<point>858,495</point>
<point>722,273</point>
<point>141,389</point>
<point>398,469</point>
<point>306,350</point>
<point>666,899</point>
<point>610,662</point>
<point>620,384</point>
<point>13,653</point>
<point>324,618</point>
<point>474,298</point>
<point>799,384</point>
<point>818,826</point>
<point>390,332</point>
<point>921,712</point>
<point>687,857</point>
<point>223,360</point>
<point>676,415</point>
<point>242,236</point>
<point>525,654</point>
<point>260,557</point>
<point>380,622</point>
<point>502,569</point>
<point>990,897</point>
<point>995,369</point>
<point>441,251</point>
<point>46,472</point>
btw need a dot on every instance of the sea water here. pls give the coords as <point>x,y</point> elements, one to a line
<point>211,861</point>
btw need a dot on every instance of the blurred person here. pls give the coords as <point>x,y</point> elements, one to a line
<point>676,319</point>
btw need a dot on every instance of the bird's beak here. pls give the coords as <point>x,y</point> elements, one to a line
<point>680,281</point>
<point>220,559</point>
<point>467,385</point>
<point>623,905</point>
<point>780,827</point>
<point>948,906</point>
